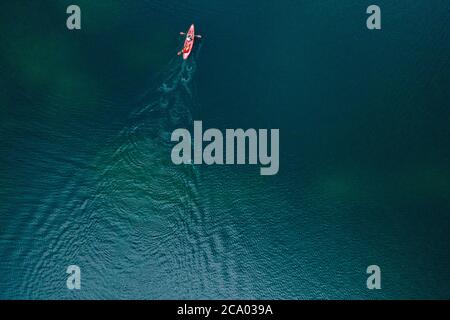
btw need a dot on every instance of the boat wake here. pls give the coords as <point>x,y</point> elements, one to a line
<point>143,203</point>
<point>136,219</point>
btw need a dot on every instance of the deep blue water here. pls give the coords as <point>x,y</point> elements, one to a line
<point>86,176</point>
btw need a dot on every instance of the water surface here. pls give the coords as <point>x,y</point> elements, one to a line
<point>86,176</point>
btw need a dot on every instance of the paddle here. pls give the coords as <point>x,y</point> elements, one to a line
<point>197,35</point>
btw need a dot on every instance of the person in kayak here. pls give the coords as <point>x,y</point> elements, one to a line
<point>186,49</point>
<point>188,46</point>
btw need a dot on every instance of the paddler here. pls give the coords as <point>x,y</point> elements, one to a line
<point>187,47</point>
<point>188,43</point>
<point>185,50</point>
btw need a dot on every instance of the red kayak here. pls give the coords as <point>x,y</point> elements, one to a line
<point>189,42</point>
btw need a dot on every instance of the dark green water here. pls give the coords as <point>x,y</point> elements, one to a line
<point>86,176</point>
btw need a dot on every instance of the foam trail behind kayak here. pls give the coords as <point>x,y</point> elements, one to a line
<point>137,185</point>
